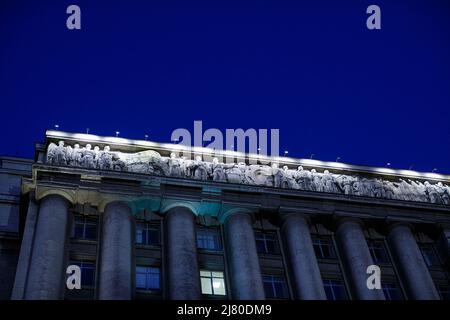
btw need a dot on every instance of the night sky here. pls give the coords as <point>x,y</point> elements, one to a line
<point>310,68</point>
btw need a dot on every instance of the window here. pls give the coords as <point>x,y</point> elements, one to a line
<point>209,239</point>
<point>275,287</point>
<point>429,255</point>
<point>444,292</point>
<point>323,247</point>
<point>147,234</point>
<point>266,243</point>
<point>392,291</point>
<point>148,278</point>
<point>85,229</point>
<point>378,252</point>
<point>334,289</point>
<point>87,273</point>
<point>212,282</point>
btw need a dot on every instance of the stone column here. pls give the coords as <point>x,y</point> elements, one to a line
<point>413,271</point>
<point>26,247</point>
<point>301,258</point>
<point>181,255</point>
<point>117,241</point>
<point>356,258</point>
<point>46,271</point>
<point>244,269</point>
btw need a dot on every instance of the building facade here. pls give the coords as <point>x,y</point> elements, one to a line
<point>144,220</point>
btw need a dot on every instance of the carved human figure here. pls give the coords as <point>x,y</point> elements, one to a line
<point>287,179</point>
<point>378,190</point>
<point>88,157</point>
<point>51,150</point>
<point>328,183</point>
<point>105,161</point>
<point>218,172</point>
<point>316,184</point>
<point>200,170</point>
<point>277,174</point>
<point>443,193</point>
<point>345,182</point>
<point>432,193</point>
<point>233,173</point>
<point>174,165</point>
<point>60,154</point>
<point>96,156</point>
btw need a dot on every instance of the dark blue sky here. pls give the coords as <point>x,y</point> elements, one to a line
<point>309,68</point>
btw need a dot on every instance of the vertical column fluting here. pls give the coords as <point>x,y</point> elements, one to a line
<point>46,271</point>
<point>245,273</point>
<point>302,263</point>
<point>181,255</point>
<point>356,258</point>
<point>116,269</point>
<point>412,268</point>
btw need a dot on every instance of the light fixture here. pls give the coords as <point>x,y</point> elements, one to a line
<point>146,136</point>
<point>337,159</point>
<point>434,170</point>
<point>56,126</point>
<point>117,133</point>
<point>312,155</point>
<point>286,152</point>
<point>388,164</point>
<point>87,130</point>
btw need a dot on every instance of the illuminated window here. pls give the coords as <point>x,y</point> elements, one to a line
<point>147,234</point>
<point>266,243</point>
<point>85,229</point>
<point>212,282</point>
<point>148,278</point>
<point>209,239</point>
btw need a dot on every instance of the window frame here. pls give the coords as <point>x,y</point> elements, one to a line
<point>211,283</point>
<point>284,285</point>
<point>147,289</point>
<point>84,221</point>
<point>212,230</point>
<point>264,233</point>
<point>148,227</point>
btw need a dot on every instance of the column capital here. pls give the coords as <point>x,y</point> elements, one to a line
<point>395,224</point>
<point>285,215</point>
<point>228,211</point>
<point>343,220</point>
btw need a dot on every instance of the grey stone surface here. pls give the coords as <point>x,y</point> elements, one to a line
<point>302,262</point>
<point>356,258</point>
<point>46,274</point>
<point>183,275</point>
<point>116,267</point>
<point>410,263</point>
<point>25,252</point>
<point>151,162</point>
<point>244,268</point>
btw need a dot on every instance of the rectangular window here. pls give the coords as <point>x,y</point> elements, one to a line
<point>275,287</point>
<point>429,255</point>
<point>148,278</point>
<point>212,282</point>
<point>266,243</point>
<point>209,239</point>
<point>87,273</point>
<point>335,289</point>
<point>147,234</point>
<point>85,229</point>
<point>323,247</point>
<point>392,291</point>
<point>378,252</point>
